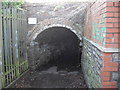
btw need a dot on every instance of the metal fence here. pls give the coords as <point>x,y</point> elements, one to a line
<point>13,48</point>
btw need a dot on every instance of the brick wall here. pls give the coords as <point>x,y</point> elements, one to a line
<point>102,33</point>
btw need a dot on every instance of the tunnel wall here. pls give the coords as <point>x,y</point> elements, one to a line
<point>101,44</point>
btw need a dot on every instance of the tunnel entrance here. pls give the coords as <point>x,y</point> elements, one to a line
<point>57,57</point>
<point>58,46</point>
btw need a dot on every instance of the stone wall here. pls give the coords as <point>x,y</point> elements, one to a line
<point>70,11</point>
<point>92,63</point>
<point>100,68</point>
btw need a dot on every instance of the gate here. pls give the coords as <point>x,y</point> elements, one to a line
<point>13,47</point>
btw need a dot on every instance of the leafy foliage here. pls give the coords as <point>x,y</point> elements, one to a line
<point>14,3</point>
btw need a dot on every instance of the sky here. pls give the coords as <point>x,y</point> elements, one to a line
<point>39,1</point>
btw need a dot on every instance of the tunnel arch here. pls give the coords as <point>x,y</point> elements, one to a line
<point>35,44</point>
<point>55,25</point>
<point>54,22</point>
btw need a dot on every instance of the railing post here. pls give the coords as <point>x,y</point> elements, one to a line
<point>1,45</point>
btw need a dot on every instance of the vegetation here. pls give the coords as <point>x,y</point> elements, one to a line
<point>15,3</point>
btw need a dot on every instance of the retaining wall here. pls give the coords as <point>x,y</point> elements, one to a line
<point>101,44</point>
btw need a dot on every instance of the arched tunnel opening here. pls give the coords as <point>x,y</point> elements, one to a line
<point>57,57</point>
<point>58,46</point>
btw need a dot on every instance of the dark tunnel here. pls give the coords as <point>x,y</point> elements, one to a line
<point>59,46</point>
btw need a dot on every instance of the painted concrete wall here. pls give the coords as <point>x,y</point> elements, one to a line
<point>101,44</point>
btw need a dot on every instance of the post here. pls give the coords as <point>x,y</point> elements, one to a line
<point>1,45</point>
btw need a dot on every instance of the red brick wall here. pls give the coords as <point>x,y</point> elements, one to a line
<point>109,66</point>
<point>102,27</point>
<point>102,24</point>
<point>113,25</point>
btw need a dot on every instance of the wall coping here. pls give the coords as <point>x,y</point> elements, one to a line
<point>103,49</point>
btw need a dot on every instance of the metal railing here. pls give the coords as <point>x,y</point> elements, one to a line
<point>13,47</point>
